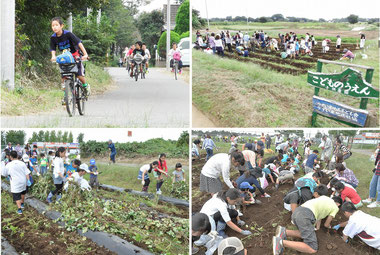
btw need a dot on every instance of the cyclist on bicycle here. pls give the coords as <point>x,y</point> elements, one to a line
<point>175,54</point>
<point>65,40</point>
<point>137,50</point>
<point>146,57</point>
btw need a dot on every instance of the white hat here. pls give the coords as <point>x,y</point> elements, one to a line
<point>84,167</point>
<point>25,157</point>
<point>231,246</point>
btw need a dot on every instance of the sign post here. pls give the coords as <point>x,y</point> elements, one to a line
<point>350,83</point>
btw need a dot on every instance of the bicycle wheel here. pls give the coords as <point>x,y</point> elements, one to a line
<point>69,97</point>
<point>176,70</point>
<point>137,72</point>
<point>81,99</point>
<point>143,72</point>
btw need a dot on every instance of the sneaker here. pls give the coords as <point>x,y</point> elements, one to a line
<point>239,213</point>
<point>22,206</point>
<point>281,232</point>
<point>278,248</point>
<point>159,192</point>
<point>374,204</point>
<point>19,211</point>
<point>367,201</point>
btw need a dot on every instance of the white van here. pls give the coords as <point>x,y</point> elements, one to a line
<point>184,46</point>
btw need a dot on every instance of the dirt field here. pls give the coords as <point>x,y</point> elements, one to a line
<point>266,217</point>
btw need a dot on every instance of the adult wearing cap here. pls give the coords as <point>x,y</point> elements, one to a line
<point>221,207</point>
<point>111,147</point>
<point>231,246</point>
<point>204,233</point>
<point>219,165</point>
<point>251,177</point>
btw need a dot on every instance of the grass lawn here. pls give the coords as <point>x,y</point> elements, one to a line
<point>126,177</point>
<point>359,163</point>
<point>236,94</point>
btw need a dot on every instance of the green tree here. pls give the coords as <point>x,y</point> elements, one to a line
<point>80,138</point>
<point>65,136</point>
<point>34,138</point>
<point>263,19</point>
<point>41,136</point>
<point>13,136</point>
<point>352,19</point>
<point>47,136</point>
<point>53,136</point>
<point>278,17</point>
<point>174,37</point>
<point>3,139</point>
<point>182,19</point>
<point>59,136</point>
<point>70,138</point>
<point>149,25</point>
<point>183,139</point>
<point>133,5</point>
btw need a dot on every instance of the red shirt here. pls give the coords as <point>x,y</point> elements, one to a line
<point>130,52</point>
<point>162,166</point>
<point>351,194</point>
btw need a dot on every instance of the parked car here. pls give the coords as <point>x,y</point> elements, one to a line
<point>184,46</point>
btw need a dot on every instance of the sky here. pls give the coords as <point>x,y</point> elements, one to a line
<point>155,4</point>
<point>115,134</point>
<point>326,9</point>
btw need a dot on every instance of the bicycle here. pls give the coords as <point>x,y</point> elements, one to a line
<point>138,66</point>
<point>74,92</point>
<point>175,68</point>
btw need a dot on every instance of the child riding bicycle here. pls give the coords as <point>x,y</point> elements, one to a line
<point>65,40</point>
<point>175,54</point>
<point>137,50</point>
<point>146,57</point>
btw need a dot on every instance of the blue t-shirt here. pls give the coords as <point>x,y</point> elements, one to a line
<point>284,158</point>
<point>70,169</point>
<point>251,180</point>
<point>310,160</point>
<point>33,160</point>
<point>112,147</point>
<point>93,168</point>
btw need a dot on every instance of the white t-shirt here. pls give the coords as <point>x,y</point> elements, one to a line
<point>219,43</point>
<point>58,167</point>
<point>77,178</point>
<point>147,54</point>
<point>365,226</point>
<point>215,205</point>
<point>338,41</point>
<point>217,165</point>
<point>17,171</point>
<point>171,52</point>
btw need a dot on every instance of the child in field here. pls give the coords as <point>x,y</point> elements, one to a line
<point>43,163</point>
<point>143,174</point>
<point>58,174</point>
<point>347,55</point>
<point>65,40</point>
<point>365,226</point>
<point>247,193</point>
<point>346,175</point>
<point>338,43</point>
<point>178,173</point>
<point>311,160</point>
<point>93,174</point>
<point>19,179</point>
<point>50,159</point>
<point>307,219</point>
<point>348,194</point>
<point>299,195</point>
<point>283,176</point>
<point>219,45</point>
<point>72,167</point>
<point>324,46</point>
<point>161,169</point>
<point>34,161</point>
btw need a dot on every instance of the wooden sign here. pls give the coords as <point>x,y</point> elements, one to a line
<point>349,82</point>
<point>339,111</point>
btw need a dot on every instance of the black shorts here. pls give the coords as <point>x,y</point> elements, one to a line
<point>338,46</point>
<point>17,196</point>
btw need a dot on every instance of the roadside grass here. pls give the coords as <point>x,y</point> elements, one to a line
<point>359,163</point>
<point>42,93</point>
<point>126,177</point>
<point>238,94</point>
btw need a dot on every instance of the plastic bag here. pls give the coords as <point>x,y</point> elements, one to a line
<point>65,58</point>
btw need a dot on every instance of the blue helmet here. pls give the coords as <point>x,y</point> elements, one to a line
<point>92,161</point>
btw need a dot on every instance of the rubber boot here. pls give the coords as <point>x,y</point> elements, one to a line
<point>49,197</point>
<point>220,227</point>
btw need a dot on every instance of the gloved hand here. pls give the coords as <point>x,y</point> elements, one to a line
<point>246,232</point>
<point>143,182</point>
<point>241,222</point>
<point>336,227</point>
<point>28,183</point>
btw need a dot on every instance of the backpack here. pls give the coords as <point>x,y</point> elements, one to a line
<point>306,182</point>
<point>65,58</point>
<point>177,56</point>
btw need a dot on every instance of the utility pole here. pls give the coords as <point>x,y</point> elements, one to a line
<point>70,22</point>
<point>7,49</point>
<point>167,35</point>
<point>208,21</point>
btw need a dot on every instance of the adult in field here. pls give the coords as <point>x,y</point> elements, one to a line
<point>219,165</point>
<point>208,145</point>
<point>341,148</point>
<point>307,219</point>
<point>268,141</point>
<point>327,149</point>
<point>278,140</point>
<point>374,187</point>
<point>362,41</point>
<point>112,149</point>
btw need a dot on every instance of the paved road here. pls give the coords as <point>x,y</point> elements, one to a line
<point>200,120</point>
<point>157,101</point>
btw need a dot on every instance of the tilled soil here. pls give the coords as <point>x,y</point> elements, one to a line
<point>34,234</point>
<point>266,217</point>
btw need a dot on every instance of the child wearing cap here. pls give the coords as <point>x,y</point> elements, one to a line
<point>143,174</point>
<point>78,177</point>
<point>246,188</point>
<point>231,246</point>
<point>93,174</point>
<point>178,173</point>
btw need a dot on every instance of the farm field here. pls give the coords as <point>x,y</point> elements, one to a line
<point>264,90</point>
<point>263,219</point>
